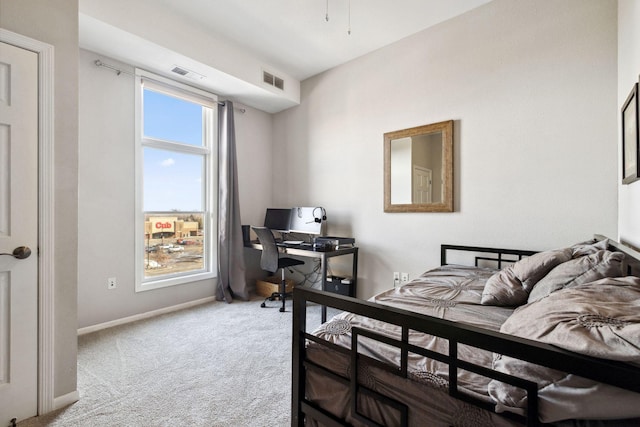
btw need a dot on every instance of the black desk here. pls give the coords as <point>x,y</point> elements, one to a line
<point>307,251</point>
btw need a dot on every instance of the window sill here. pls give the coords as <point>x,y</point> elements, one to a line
<point>172,281</point>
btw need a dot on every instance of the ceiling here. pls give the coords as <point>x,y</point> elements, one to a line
<point>294,35</point>
<point>283,36</point>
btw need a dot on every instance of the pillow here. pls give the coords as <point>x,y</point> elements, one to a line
<point>511,285</point>
<point>584,269</point>
<point>589,247</point>
<point>599,319</point>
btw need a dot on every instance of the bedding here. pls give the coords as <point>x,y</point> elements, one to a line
<point>511,286</point>
<point>599,319</point>
<point>574,298</point>
<point>448,292</point>
<point>583,269</point>
<point>589,247</point>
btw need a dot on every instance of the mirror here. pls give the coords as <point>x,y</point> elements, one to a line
<point>418,169</point>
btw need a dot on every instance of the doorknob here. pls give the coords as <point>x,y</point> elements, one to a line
<point>21,252</point>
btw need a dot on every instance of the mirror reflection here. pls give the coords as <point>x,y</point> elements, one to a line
<point>419,169</point>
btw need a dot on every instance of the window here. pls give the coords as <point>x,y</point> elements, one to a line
<point>175,182</point>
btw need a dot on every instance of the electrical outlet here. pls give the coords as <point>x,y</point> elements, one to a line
<point>111,283</point>
<point>404,278</point>
<point>396,278</point>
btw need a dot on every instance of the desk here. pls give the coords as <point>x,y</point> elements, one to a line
<point>308,252</point>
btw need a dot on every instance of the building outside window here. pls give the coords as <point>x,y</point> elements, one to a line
<point>175,183</point>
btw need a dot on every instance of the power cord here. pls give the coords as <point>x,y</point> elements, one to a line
<point>311,278</point>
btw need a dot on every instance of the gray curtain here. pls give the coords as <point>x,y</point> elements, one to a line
<point>231,278</point>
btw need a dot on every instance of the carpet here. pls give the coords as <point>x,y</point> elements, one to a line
<point>216,364</point>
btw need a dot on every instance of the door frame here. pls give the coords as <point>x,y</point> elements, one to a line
<point>46,224</point>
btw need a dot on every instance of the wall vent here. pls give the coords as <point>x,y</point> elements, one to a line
<point>267,78</point>
<point>272,80</point>
<point>187,73</point>
<point>180,71</point>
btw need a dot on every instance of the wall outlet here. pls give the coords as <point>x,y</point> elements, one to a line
<point>404,278</point>
<point>396,278</point>
<point>111,283</point>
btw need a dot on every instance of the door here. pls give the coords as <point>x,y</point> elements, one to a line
<point>18,228</point>
<point>422,185</point>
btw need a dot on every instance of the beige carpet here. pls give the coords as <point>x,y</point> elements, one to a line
<point>213,365</point>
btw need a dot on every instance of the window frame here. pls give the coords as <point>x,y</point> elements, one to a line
<point>209,150</point>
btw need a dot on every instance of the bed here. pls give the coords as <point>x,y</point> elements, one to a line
<point>513,338</point>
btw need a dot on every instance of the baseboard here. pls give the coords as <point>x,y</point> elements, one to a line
<point>65,400</point>
<point>148,314</point>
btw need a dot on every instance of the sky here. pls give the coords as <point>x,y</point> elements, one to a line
<point>172,180</point>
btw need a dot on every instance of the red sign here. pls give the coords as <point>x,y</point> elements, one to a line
<point>163,226</point>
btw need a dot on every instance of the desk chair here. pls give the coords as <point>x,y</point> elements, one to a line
<point>271,261</point>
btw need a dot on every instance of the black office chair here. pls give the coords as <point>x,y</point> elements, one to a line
<point>271,261</point>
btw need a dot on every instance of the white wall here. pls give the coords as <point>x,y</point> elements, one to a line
<point>107,194</point>
<point>532,88</point>
<point>56,22</point>
<point>628,74</point>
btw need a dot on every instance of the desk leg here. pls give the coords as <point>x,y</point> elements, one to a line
<point>354,270</point>
<point>323,271</point>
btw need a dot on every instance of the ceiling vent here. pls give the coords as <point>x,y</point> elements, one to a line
<point>187,73</point>
<point>272,80</point>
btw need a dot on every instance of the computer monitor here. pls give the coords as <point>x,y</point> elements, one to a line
<point>307,220</point>
<point>278,219</point>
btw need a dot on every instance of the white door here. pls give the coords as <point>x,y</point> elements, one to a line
<point>422,185</point>
<point>18,228</point>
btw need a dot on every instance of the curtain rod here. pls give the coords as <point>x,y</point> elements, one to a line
<point>242,110</point>
<point>111,67</point>
<point>119,71</point>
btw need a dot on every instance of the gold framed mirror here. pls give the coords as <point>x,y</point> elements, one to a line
<point>418,169</point>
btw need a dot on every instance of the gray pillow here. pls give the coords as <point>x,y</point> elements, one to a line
<point>511,285</point>
<point>589,247</point>
<point>584,269</point>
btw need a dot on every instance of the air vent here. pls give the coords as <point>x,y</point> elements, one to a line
<point>272,80</point>
<point>187,73</point>
<point>267,78</point>
<point>180,71</point>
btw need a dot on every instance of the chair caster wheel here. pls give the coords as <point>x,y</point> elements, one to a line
<point>281,309</point>
<point>263,305</point>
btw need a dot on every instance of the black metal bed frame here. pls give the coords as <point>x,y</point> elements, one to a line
<point>617,374</point>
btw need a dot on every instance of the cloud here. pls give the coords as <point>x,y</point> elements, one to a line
<point>168,162</point>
